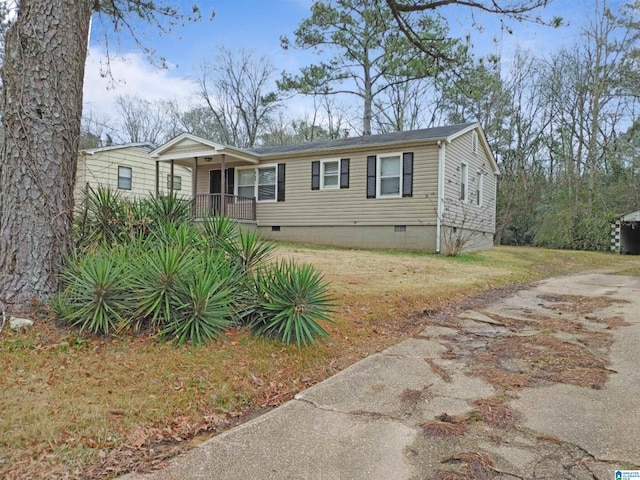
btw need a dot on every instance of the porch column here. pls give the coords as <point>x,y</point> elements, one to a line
<point>223,185</point>
<point>171,179</point>
<point>157,178</point>
<point>194,181</point>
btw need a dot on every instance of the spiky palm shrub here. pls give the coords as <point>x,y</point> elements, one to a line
<point>169,208</point>
<point>204,308</point>
<point>183,236</point>
<point>220,230</point>
<point>249,250</point>
<point>291,300</point>
<point>160,273</point>
<point>98,290</point>
<point>102,221</point>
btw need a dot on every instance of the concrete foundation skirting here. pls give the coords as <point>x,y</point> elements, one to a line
<point>397,237</point>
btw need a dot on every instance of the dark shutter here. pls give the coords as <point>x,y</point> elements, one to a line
<point>315,175</point>
<point>371,176</point>
<point>231,183</point>
<point>407,174</point>
<point>344,173</point>
<point>281,169</point>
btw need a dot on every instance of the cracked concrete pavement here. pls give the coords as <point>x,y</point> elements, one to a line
<point>537,385</point>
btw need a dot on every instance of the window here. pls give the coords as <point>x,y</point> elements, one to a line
<point>330,174</point>
<point>124,178</point>
<point>177,182</point>
<point>266,184</point>
<point>479,190</point>
<point>246,183</point>
<point>464,180</point>
<point>389,175</point>
<point>474,142</point>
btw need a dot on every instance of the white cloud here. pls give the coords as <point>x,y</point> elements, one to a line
<point>131,74</point>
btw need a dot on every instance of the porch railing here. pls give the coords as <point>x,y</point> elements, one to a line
<point>208,205</point>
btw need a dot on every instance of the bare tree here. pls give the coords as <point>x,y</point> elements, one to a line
<point>144,121</point>
<point>237,88</point>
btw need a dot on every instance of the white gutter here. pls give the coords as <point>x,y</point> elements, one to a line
<point>440,204</point>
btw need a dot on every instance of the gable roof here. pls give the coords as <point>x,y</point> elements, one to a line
<point>426,134</point>
<point>144,146</point>
<point>187,137</point>
<point>254,155</point>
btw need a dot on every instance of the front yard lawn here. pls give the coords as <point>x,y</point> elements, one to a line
<point>85,407</point>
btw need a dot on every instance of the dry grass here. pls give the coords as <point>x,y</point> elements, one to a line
<point>92,408</point>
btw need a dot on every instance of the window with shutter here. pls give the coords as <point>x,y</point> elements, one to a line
<point>330,174</point>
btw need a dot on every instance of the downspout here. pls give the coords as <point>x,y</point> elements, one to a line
<point>440,203</point>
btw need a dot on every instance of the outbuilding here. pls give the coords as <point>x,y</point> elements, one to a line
<point>625,233</point>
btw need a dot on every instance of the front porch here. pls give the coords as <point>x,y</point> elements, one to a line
<point>213,168</point>
<point>233,206</point>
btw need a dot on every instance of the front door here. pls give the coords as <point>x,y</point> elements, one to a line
<point>215,188</point>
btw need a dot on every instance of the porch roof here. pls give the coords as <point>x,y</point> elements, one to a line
<point>187,147</point>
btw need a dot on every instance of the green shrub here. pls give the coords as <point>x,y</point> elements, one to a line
<point>204,308</point>
<point>220,230</point>
<point>98,296</point>
<point>181,236</point>
<point>291,300</point>
<point>159,276</point>
<point>102,222</point>
<point>169,209</point>
<point>249,250</point>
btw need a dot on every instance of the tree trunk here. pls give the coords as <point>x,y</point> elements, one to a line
<point>45,54</point>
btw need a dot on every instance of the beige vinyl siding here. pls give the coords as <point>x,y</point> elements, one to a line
<point>457,213</point>
<point>187,146</point>
<point>351,207</point>
<point>101,168</point>
<point>202,185</point>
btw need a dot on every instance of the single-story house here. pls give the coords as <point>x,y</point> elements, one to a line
<point>625,233</point>
<point>129,170</point>
<point>427,190</point>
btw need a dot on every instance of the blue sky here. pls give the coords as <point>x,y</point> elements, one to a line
<point>257,25</point>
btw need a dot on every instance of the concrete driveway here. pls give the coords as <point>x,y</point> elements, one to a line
<point>541,384</point>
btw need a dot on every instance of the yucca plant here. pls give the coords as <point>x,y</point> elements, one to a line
<point>169,209</point>
<point>104,217</point>
<point>220,229</point>
<point>291,300</point>
<point>159,277</point>
<point>204,309</point>
<point>249,249</point>
<point>183,236</point>
<point>98,292</point>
